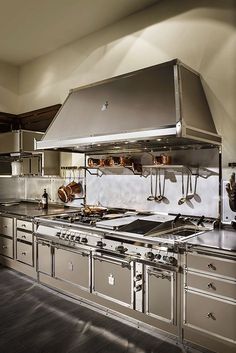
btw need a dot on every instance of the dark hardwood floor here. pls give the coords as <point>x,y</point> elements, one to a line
<point>34,319</point>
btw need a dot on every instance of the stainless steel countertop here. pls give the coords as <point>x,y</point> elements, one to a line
<point>220,239</point>
<point>32,210</point>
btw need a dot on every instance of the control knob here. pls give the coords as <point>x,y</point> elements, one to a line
<point>100,244</point>
<point>138,288</point>
<point>121,248</point>
<point>170,259</point>
<point>77,238</point>
<point>158,256</point>
<point>84,240</point>
<point>149,255</point>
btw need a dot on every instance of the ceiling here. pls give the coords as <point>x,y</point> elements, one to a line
<point>31,28</point>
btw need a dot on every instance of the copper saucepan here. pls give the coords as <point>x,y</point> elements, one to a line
<point>67,193</point>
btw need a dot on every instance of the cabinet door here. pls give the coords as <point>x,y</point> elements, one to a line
<point>113,280</point>
<point>6,226</point>
<point>44,258</point>
<point>6,247</point>
<point>72,267</point>
<point>161,294</point>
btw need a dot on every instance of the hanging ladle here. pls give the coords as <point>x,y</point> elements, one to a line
<point>161,196</point>
<point>151,197</point>
<point>184,198</point>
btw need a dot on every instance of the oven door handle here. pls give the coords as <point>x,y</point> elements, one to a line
<point>163,275</point>
<point>126,262</point>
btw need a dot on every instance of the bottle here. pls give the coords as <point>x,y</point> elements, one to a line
<point>45,200</point>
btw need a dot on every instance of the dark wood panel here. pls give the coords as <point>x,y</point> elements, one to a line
<point>8,122</point>
<point>38,120</point>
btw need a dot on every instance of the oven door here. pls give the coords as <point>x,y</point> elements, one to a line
<point>160,292</point>
<point>112,279</point>
<point>72,266</point>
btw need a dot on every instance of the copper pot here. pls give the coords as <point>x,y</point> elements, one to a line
<point>162,159</point>
<point>166,159</point>
<point>92,162</point>
<point>67,193</point>
<point>74,188</point>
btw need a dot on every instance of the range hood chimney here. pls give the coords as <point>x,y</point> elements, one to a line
<point>143,110</point>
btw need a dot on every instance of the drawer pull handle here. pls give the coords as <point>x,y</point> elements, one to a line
<point>211,266</point>
<point>4,247</point>
<point>211,286</point>
<point>23,253</point>
<point>211,316</point>
<point>5,227</point>
<point>23,236</point>
<point>23,225</point>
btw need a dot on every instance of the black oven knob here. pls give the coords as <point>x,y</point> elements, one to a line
<point>173,261</point>
<point>84,240</point>
<point>158,256</point>
<point>149,255</point>
<point>77,238</point>
<point>100,244</point>
<point>121,248</point>
<point>58,234</point>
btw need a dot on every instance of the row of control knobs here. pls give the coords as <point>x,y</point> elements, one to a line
<point>120,248</point>
<point>168,259</point>
<point>72,237</point>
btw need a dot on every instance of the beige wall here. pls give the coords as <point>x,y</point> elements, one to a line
<point>201,33</point>
<point>8,88</point>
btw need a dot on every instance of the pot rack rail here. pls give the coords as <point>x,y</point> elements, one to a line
<point>202,172</point>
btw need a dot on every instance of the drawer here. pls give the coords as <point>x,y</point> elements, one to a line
<point>24,253</point>
<point>210,315</point>
<point>6,226</point>
<point>25,225</point>
<point>6,247</point>
<point>212,285</point>
<point>214,265</point>
<point>24,236</point>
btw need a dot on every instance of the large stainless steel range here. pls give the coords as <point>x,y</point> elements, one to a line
<point>146,109</point>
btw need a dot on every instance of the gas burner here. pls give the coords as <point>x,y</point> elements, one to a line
<point>78,218</point>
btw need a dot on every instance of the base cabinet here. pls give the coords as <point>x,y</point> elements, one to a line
<point>209,301</point>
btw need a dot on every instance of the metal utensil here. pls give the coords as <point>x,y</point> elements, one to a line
<point>185,198</point>
<point>182,185</point>
<point>157,174</point>
<point>197,198</point>
<point>151,197</point>
<point>191,194</point>
<point>161,196</point>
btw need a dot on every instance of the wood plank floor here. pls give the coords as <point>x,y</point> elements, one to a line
<point>36,320</point>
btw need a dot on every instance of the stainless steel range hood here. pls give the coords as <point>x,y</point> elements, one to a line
<point>146,109</point>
